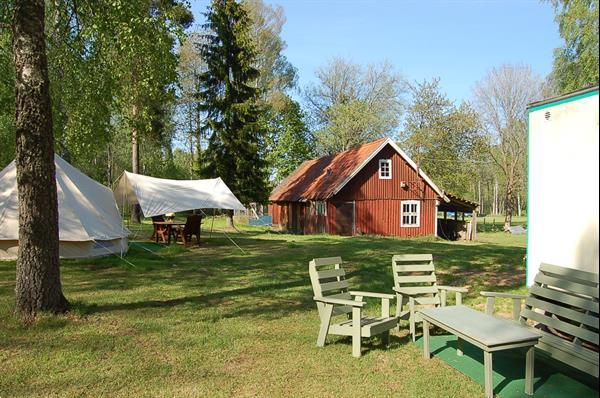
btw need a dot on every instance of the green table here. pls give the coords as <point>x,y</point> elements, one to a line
<point>483,331</point>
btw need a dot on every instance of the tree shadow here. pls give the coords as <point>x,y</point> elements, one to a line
<point>271,280</point>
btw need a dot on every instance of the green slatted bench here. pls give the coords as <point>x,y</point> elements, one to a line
<point>562,306</point>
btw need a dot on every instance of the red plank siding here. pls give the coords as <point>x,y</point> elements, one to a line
<point>382,217</point>
<point>377,203</point>
<point>367,184</point>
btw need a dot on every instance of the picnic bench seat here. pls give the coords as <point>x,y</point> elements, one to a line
<point>562,307</point>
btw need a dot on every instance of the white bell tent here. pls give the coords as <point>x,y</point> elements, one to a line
<point>89,222</point>
<point>158,196</point>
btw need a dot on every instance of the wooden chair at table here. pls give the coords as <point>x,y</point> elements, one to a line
<point>415,284</point>
<point>160,230</point>
<point>192,227</point>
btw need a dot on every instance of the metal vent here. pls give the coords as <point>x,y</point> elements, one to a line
<point>547,115</point>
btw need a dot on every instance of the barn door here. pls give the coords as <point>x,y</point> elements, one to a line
<point>344,218</point>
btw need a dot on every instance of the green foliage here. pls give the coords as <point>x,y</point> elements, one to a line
<point>229,98</point>
<point>7,101</point>
<point>576,62</point>
<point>349,124</point>
<point>289,140</point>
<point>101,66</point>
<point>442,138</point>
<point>352,104</point>
<point>276,74</point>
<point>189,107</point>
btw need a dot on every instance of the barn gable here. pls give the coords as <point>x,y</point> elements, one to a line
<point>322,178</point>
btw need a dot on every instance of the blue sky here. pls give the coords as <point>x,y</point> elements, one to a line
<point>457,41</point>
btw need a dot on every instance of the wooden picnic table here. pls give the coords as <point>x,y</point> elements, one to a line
<point>170,230</point>
<point>484,331</point>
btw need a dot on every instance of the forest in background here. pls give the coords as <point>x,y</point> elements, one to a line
<point>139,85</point>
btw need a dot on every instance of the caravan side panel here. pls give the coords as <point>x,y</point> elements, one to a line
<point>563,185</point>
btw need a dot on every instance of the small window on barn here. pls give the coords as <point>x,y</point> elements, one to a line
<point>410,213</point>
<point>321,208</point>
<point>385,169</point>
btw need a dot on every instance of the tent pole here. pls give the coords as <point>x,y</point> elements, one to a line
<point>212,224</point>
<point>113,254</point>
<point>122,219</point>
<point>225,233</point>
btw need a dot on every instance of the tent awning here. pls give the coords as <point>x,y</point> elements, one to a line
<point>157,196</point>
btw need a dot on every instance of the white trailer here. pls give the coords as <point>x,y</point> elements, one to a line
<point>562,211</point>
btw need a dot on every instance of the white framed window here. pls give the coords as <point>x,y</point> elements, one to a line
<point>385,169</point>
<point>410,213</point>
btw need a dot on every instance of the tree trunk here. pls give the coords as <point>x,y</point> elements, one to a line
<point>38,286</point>
<point>495,198</point>
<point>191,142</point>
<point>198,140</point>
<point>135,159</point>
<point>109,166</point>
<point>479,198</point>
<point>229,219</point>
<point>508,204</point>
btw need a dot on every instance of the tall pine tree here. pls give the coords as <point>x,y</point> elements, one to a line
<point>229,96</point>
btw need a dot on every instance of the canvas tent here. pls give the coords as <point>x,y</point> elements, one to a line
<point>157,196</point>
<point>89,222</point>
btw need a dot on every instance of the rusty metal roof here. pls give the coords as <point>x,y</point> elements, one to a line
<point>317,179</point>
<point>457,203</point>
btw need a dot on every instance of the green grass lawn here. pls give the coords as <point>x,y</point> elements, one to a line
<point>212,321</point>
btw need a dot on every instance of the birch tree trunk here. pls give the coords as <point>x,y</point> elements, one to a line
<point>135,159</point>
<point>38,286</point>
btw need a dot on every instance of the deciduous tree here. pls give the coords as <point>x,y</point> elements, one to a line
<point>352,104</point>
<point>444,139</point>
<point>576,62</point>
<point>501,99</point>
<point>38,286</point>
<point>289,141</point>
<point>276,74</point>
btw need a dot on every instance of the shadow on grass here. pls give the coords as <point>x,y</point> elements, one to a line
<point>206,300</point>
<point>271,280</point>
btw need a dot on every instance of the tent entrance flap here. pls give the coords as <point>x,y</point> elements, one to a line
<point>157,196</point>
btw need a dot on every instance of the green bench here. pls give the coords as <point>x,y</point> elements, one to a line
<point>562,307</point>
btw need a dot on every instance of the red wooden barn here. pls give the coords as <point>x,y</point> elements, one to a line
<point>373,188</point>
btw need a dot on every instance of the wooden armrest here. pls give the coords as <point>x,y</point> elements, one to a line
<point>491,297</point>
<point>453,289</point>
<point>504,295</point>
<point>370,294</point>
<point>328,300</point>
